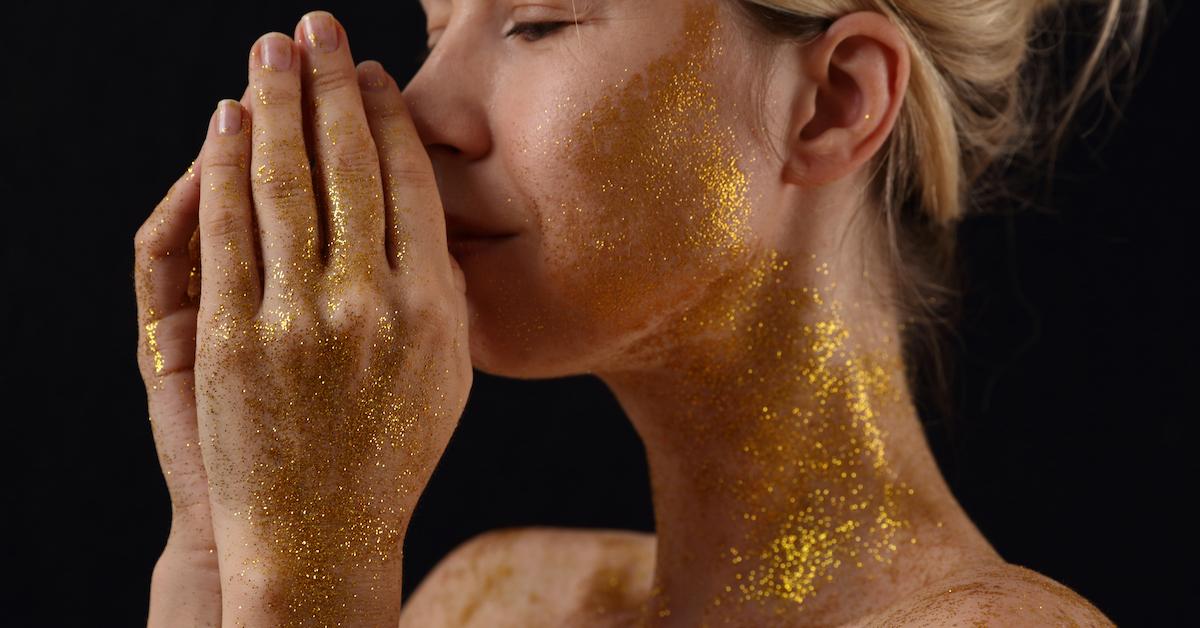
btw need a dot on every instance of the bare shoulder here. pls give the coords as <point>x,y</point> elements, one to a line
<point>534,576</point>
<point>993,594</point>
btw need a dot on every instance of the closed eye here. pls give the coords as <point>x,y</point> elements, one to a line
<point>536,30</point>
<point>531,31</point>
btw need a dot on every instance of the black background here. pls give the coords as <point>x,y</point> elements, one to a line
<point>1075,358</point>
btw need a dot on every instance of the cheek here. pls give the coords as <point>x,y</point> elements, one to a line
<point>643,196</point>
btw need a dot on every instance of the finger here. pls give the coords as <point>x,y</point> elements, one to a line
<point>193,287</point>
<point>160,246</point>
<point>347,162</point>
<point>227,238</point>
<point>283,193</point>
<point>416,227</point>
<point>167,346</point>
<point>172,408</point>
<point>162,269</point>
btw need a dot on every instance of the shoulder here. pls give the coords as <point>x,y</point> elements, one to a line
<point>532,576</point>
<point>993,594</point>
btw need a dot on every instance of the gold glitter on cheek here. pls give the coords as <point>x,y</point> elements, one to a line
<point>662,202</point>
<point>776,398</point>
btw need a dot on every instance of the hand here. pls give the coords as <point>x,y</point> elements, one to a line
<point>328,388</point>
<point>186,586</point>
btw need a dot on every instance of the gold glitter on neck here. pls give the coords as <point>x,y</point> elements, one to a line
<point>805,474</point>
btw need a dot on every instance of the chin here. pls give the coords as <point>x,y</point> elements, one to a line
<point>536,313</point>
<point>505,343</point>
<point>524,330</point>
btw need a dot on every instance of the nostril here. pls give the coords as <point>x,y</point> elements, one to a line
<point>445,148</point>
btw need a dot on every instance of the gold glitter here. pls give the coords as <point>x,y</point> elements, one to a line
<point>151,304</point>
<point>152,341</point>
<point>772,370</point>
<point>348,189</point>
<point>324,513</point>
<point>657,188</point>
<point>323,406</point>
<point>811,434</point>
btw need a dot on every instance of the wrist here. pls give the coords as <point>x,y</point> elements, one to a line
<point>260,593</point>
<point>288,571</point>
<point>191,531</point>
<point>185,589</point>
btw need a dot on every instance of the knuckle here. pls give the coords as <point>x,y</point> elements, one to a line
<point>220,222</point>
<point>351,309</point>
<point>406,162</point>
<point>225,160</point>
<point>354,154</point>
<point>338,78</point>
<point>285,188</point>
<point>395,117</point>
<point>144,245</point>
<point>290,333</point>
<point>430,313</point>
<point>344,319</point>
<point>147,241</point>
<point>410,170</point>
<point>279,98</point>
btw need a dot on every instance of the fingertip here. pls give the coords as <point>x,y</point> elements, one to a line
<point>228,140</point>
<point>372,77</point>
<point>230,117</point>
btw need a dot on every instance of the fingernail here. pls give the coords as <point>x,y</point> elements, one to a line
<point>229,117</point>
<point>276,51</point>
<point>370,76</point>
<point>320,31</point>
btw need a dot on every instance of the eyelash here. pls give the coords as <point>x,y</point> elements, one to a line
<point>539,29</point>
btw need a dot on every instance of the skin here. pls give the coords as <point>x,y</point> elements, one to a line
<point>750,343</point>
<point>325,391</point>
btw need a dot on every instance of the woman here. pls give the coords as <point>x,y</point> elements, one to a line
<point>733,213</point>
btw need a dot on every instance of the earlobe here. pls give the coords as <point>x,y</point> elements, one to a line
<point>847,102</point>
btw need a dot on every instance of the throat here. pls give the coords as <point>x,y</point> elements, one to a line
<point>787,461</point>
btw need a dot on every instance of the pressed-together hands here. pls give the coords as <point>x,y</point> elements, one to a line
<point>299,410</point>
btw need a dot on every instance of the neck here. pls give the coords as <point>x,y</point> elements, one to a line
<point>788,466</point>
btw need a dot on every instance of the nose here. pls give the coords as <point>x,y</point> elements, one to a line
<point>447,101</point>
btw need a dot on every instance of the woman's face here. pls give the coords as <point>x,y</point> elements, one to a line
<point>620,152</point>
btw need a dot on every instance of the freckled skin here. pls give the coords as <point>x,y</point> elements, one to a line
<point>656,247</point>
<point>792,484</point>
<point>656,204</point>
<point>330,362</point>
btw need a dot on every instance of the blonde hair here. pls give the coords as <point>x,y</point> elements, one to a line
<point>975,100</point>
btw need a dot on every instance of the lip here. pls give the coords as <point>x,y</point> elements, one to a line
<point>473,227</point>
<point>464,246</point>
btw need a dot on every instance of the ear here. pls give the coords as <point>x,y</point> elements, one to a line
<point>855,77</point>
